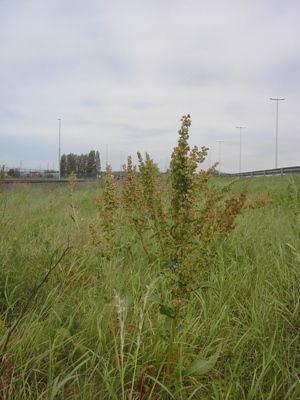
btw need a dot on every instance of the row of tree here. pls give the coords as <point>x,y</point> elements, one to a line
<point>84,165</point>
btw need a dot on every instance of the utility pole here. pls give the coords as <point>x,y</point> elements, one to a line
<point>276,150</point>
<point>59,126</point>
<point>220,141</point>
<point>240,128</point>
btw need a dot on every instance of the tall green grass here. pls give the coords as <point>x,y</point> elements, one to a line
<point>91,332</point>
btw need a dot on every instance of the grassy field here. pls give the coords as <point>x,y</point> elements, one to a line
<point>91,331</point>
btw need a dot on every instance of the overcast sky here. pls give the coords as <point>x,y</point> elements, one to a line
<point>120,74</point>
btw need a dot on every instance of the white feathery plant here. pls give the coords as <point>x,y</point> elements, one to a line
<point>121,315</point>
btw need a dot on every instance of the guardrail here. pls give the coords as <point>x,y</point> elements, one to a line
<point>265,172</point>
<point>39,180</point>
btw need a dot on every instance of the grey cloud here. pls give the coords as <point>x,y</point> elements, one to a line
<point>124,73</point>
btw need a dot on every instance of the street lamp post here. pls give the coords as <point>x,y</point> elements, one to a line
<point>59,126</point>
<point>210,164</point>
<point>240,128</point>
<point>276,151</point>
<point>219,141</point>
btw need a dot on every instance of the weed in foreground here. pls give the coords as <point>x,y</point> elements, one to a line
<point>180,222</point>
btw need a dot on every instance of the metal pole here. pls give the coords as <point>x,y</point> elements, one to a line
<point>219,141</point>
<point>276,150</point>
<point>276,157</point>
<point>59,148</point>
<point>240,128</point>
<point>107,155</point>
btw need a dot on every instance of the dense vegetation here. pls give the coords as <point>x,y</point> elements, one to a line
<point>121,315</point>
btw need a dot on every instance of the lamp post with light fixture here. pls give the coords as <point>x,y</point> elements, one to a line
<point>276,151</point>
<point>220,141</point>
<point>240,128</point>
<point>59,126</point>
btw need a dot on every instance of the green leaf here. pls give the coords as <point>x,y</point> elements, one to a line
<point>58,385</point>
<point>155,299</point>
<point>201,367</point>
<point>205,284</point>
<point>165,310</point>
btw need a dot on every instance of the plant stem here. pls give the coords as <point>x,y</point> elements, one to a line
<point>172,339</point>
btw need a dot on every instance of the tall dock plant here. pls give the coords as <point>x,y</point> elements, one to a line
<point>190,219</point>
<point>187,214</point>
<point>201,218</point>
<point>180,221</point>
